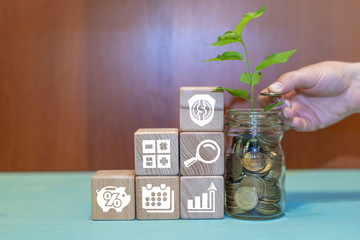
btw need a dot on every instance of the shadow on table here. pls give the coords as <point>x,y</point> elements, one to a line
<point>296,200</point>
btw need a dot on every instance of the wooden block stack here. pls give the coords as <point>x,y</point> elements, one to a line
<point>160,192</point>
<point>157,170</point>
<point>201,153</point>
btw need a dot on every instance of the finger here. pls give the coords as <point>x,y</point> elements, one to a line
<point>288,117</point>
<point>266,100</point>
<point>302,124</point>
<point>285,104</point>
<point>303,78</point>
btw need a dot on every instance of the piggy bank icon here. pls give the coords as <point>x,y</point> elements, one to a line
<point>111,197</point>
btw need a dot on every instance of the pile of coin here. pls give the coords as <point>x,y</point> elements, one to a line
<point>254,177</point>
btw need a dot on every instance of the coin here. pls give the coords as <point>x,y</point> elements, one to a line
<point>230,188</point>
<point>235,210</point>
<point>279,190</point>
<point>234,167</point>
<point>276,165</point>
<point>246,198</point>
<point>267,167</point>
<point>253,185</point>
<point>273,175</point>
<point>230,197</point>
<point>231,185</point>
<point>271,94</point>
<point>231,203</point>
<point>254,161</point>
<point>237,145</point>
<point>257,174</point>
<point>267,208</point>
<point>272,194</point>
<point>264,171</point>
<point>257,183</point>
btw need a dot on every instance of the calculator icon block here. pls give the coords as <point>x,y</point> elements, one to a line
<point>156,151</point>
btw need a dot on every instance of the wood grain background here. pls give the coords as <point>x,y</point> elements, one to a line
<point>78,78</point>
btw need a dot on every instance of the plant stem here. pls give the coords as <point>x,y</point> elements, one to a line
<point>250,75</point>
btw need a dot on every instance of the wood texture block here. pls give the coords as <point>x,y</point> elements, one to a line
<point>201,153</point>
<point>113,195</point>
<point>157,197</point>
<point>201,109</point>
<point>157,151</point>
<point>202,197</point>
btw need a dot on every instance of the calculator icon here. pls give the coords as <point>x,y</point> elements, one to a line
<point>156,153</point>
<point>159,199</point>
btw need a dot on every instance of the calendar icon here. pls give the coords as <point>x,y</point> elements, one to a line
<point>157,199</point>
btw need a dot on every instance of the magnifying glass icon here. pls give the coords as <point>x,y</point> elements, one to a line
<point>204,144</point>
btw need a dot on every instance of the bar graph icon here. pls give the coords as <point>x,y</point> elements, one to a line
<point>203,203</point>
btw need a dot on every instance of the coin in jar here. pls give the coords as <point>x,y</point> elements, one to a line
<point>256,182</point>
<point>254,161</point>
<point>246,198</point>
<point>267,167</point>
<point>234,167</point>
<point>235,210</point>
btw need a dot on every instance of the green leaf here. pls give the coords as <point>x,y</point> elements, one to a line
<point>226,38</point>
<point>229,55</point>
<point>256,78</point>
<point>267,108</point>
<point>247,17</point>
<point>275,58</point>
<point>245,78</point>
<point>234,92</point>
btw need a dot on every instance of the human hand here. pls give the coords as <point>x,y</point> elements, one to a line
<point>318,95</point>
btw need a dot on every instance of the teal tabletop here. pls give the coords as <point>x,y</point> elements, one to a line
<point>320,204</point>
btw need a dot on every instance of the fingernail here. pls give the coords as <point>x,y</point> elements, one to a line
<point>292,124</point>
<point>287,103</point>
<point>276,87</point>
<point>285,114</point>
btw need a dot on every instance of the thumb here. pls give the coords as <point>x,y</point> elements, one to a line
<point>303,78</point>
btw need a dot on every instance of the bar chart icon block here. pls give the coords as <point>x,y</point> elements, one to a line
<point>202,197</point>
<point>205,202</point>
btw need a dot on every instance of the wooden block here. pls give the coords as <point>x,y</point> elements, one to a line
<point>113,195</point>
<point>157,151</point>
<point>201,153</point>
<point>157,197</point>
<point>201,109</point>
<point>202,197</point>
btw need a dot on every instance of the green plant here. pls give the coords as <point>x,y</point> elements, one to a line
<point>250,78</point>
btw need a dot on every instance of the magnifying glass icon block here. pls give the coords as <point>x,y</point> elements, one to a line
<point>206,144</point>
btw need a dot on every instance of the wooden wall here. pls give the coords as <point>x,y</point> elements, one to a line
<point>78,78</point>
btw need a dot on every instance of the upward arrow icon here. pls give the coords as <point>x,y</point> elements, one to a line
<point>212,187</point>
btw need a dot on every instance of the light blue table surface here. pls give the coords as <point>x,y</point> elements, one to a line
<point>320,204</point>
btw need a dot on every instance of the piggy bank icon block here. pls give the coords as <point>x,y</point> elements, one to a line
<point>113,195</point>
<point>201,109</point>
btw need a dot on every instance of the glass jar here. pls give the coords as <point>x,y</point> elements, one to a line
<point>254,164</point>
